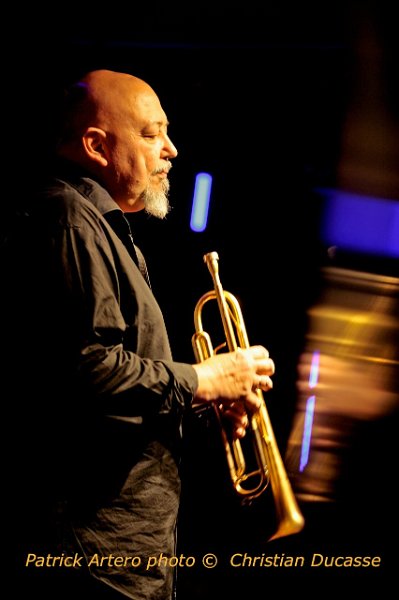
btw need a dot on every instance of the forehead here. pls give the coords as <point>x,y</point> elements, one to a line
<point>145,108</point>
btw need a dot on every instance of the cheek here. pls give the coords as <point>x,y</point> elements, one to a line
<point>140,167</point>
<point>135,165</point>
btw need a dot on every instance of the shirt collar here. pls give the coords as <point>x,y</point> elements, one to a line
<point>87,185</point>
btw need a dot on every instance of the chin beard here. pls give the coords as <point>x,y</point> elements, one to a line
<point>156,203</point>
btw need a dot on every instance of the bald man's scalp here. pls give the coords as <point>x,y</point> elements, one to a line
<point>99,99</point>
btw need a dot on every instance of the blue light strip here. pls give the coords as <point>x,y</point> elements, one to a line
<point>309,412</point>
<point>307,432</point>
<point>201,197</point>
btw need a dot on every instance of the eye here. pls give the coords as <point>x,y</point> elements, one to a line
<point>150,134</point>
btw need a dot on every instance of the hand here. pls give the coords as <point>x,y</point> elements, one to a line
<point>231,378</point>
<point>237,416</point>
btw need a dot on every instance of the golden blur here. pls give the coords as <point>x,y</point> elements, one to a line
<point>355,328</point>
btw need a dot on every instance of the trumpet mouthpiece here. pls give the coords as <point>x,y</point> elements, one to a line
<point>212,262</point>
<point>211,256</point>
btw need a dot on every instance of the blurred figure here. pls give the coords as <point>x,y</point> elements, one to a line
<point>341,444</point>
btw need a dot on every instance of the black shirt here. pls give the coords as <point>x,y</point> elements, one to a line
<point>95,398</point>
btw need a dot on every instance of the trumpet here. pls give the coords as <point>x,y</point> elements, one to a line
<point>269,467</point>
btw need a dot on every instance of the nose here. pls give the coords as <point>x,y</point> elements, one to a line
<point>169,148</point>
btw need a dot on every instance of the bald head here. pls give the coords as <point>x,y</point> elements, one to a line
<point>98,99</point>
<point>105,79</point>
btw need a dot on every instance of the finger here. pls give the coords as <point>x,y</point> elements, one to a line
<point>265,366</point>
<point>237,422</point>
<point>237,416</point>
<point>237,407</point>
<point>239,432</point>
<point>264,383</point>
<point>252,402</point>
<point>258,352</point>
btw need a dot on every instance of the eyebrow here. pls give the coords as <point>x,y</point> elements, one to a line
<point>160,123</point>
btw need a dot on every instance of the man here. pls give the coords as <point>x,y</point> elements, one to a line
<point>96,401</point>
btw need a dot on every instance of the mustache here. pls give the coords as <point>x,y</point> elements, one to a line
<point>165,168</point>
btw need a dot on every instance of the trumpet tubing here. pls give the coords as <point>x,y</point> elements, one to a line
<point>270,467</point>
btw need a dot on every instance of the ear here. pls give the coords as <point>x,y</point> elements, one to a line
<point>95,145</point>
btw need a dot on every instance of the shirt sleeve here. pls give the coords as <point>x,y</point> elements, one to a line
<point>108,368</point>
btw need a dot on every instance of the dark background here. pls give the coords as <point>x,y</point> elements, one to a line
<point>267,97</point>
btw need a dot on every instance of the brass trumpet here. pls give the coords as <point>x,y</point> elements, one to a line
<point>270,467</point>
